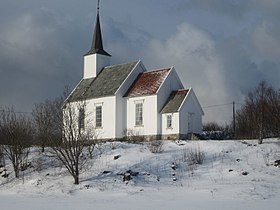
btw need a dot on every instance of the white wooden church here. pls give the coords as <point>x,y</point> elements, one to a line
<point>126,99</point>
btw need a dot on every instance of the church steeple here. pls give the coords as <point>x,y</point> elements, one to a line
<point>97,44</point>
<point>96,58</point>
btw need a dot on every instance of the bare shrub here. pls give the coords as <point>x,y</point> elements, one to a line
<point>266,158</point>
<point>155,146</point>
<point>133,135</point>
<point>196,156</point>
<point>185,155</point>
<point>95,148</point>
<point>193,156</point>
<point>213,130</point>
<point>213,126</point>
<point>38,165</point>
<point>113,145</point>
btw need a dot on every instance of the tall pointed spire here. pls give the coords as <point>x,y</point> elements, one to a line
<point>97,44</point>
<point>96,58</point>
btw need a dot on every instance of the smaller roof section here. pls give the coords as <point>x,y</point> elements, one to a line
<point>174,101</point>
<point>147,83</point>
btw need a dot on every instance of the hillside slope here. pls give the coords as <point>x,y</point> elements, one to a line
<point>233,175</point>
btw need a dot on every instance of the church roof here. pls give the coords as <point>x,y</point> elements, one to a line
<point>105,84</point>
<point>80,90</point>
<point>174,101</point>
<point>147,83</point>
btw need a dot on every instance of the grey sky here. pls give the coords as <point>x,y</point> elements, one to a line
<point>221,48</point>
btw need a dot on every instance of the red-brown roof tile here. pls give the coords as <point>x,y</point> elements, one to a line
<point>147,83</point>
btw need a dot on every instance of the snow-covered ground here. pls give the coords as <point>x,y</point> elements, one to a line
<point>234,175</point>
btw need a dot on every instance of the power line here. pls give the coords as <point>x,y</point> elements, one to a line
<point>216,105</point>
<point>225,104</point>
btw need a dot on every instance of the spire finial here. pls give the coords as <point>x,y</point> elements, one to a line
<point>98,3</point>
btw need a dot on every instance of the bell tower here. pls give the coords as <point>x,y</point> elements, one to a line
<point>96,58</point>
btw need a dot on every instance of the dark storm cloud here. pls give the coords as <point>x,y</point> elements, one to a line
<point>222,48</point>
<point>234,8</point>
<point>36,54</point>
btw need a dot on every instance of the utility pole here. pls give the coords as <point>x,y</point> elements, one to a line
<point>233,116</point>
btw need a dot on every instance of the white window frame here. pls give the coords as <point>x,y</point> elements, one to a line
<point>139,114</point>
<point>169,121</point>
<point>98,116</point>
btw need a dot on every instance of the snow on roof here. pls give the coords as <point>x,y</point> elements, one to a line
<point>147,83</point>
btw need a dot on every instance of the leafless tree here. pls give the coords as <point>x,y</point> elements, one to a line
<point>16,131</point>
<point>67,129</point>
<point>48,118</point>
<point>259,117</point>
<point>43,120</point>
<point>273,100</point>
<point>77,134</point>
<point>245,122</point>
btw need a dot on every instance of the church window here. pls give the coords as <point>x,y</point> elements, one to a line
<point>139,114</point>
<point>98,116</point>
<point>81,120</point>
<point>169,121</point>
